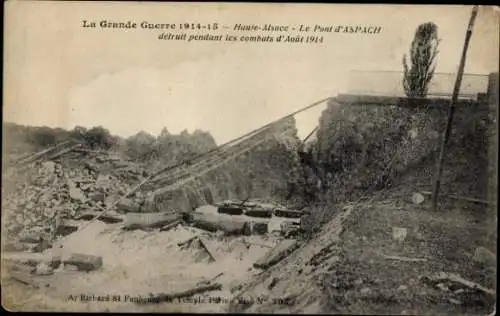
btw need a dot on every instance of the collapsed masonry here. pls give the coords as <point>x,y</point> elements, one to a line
<point>55,193</point>
<point>40,196</point>
<point>258,232</point>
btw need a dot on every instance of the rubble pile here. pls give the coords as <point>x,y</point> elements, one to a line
<point>42,195</point>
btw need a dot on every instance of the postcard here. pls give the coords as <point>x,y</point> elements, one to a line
<point>289,158</point>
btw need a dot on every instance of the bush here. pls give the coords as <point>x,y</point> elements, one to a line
<point>99,138</point>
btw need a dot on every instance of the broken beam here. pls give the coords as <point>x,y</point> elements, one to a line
<point>458,279</point>
<point>182,243</point>
<point>171,225</point>
<point>404,258</point>
<point>62,152</point>
<point>206,246</point>
<point>170,297</point>
<point>456,197</point>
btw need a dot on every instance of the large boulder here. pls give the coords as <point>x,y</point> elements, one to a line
<point>103,183</point>
<point>216,221</point>
<point>399,234</point>
<point>260,228</point>
<point>182,199</point>
<point>98,197</point>
<point>75,193</point>
<point>65,228</point>
<point>43,268</point>
<point>84,262</point>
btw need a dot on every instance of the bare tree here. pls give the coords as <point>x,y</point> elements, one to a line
<point>422,55</point>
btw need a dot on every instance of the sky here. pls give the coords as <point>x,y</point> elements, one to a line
<point>59,74</point>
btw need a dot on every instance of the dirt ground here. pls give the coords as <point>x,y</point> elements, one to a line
<point>137,263</point>
<point>367,281</point>
<point>368,271</point>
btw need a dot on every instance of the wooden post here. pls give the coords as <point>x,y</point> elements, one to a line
<point>451,111</point>
<point>310,134</point>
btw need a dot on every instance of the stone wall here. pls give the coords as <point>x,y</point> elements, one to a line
<point>365,144</point>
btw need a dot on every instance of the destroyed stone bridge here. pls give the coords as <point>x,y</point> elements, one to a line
<point>90,211</point>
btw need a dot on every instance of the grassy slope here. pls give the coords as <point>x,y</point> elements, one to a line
<point>356,278</point>
<point>365,282</point>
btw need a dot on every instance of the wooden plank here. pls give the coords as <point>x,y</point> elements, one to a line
<point>457,278</point>
<point>289,213</point>
<point>83,150</point>
<point>109,217</point>
<point>249,243</point>
<point>208,282</point>
<point>438,277</point>
<point>62,152</point>
<point>278,253</point>
<point>208,247</point>
<point>171,225</point>
<point>406,259</point>
<point>185,242</point>
<point>462,198</point>
<point>40,153</point>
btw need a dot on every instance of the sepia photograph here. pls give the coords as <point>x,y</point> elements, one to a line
<point>162,157</point>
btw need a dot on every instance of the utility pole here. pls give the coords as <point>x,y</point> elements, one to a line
<point>451,111</point>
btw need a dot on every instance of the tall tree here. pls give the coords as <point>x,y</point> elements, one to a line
<point>422,55</point>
